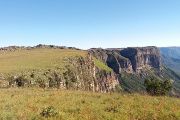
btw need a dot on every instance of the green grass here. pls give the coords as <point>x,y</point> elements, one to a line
<point>21,60</point>
<point>101,65</point>
<point>25,104</point>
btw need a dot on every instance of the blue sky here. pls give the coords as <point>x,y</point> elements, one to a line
<point>90,23</point>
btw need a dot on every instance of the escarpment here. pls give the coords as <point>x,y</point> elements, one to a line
<point>98,70</point>
<point>147,57</point>
<point>79,73</point>
<point>92,77</point>
<point>113,59</point>
<point>135,64</point>
<point>130,60</point>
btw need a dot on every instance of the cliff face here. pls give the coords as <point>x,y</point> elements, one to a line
<point>79,73</point>
<point>113,59</point>
<point>147,57</point>
<point>92,78</point>
<point>129,59</point>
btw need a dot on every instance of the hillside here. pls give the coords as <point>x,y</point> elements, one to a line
<point>171,57</point>
<point>25,104</point>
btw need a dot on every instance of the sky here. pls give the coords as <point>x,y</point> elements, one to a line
<point>90,23</point>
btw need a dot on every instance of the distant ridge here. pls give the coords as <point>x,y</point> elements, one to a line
<point>12,48</point>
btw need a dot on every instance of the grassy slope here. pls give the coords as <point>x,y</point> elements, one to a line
<point>101,65</point>
<point>76,105</point>
<point>21,60</point>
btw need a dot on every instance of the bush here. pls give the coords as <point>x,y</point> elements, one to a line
<point>49,112</point>
<point>155,86</point>
<point>19,81</point>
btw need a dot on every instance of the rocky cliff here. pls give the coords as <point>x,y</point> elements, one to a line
<point>98,70</point>
<point>92,77</point>
<point>129,59</point>
<point>135,64</point>
<point>113,59</point>
<point>147,57</point>
<point>78,73</point>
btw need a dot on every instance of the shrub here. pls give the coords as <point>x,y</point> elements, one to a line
<point>54,80</point>
<point>70,77</point>
<point>155,86</point>
<point>18,81</point>
<point>49,112</point>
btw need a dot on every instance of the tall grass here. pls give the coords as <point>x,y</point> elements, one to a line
<point>26,103</point>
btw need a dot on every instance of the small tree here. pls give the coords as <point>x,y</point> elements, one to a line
<point>155,86</point>
<point>70,77</point>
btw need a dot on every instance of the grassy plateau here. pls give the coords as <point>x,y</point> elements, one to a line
<point>38,58</point>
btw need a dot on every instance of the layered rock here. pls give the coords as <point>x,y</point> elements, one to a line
<point>146,57</point>
<point>113,59</point>
<point>129,59</point>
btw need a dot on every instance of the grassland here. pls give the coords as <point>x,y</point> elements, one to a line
<point>39,58</point>
<point>26,103</point>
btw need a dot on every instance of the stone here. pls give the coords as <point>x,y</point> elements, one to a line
<point>129,60</point>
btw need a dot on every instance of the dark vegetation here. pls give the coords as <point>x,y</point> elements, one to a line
<point>155,86</point>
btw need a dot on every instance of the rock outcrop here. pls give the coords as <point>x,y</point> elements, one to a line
<point>79,73</point>
<point>90,77</point>
<point>129,60</point>
<point>113,59</point>
<point>146,57</point>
